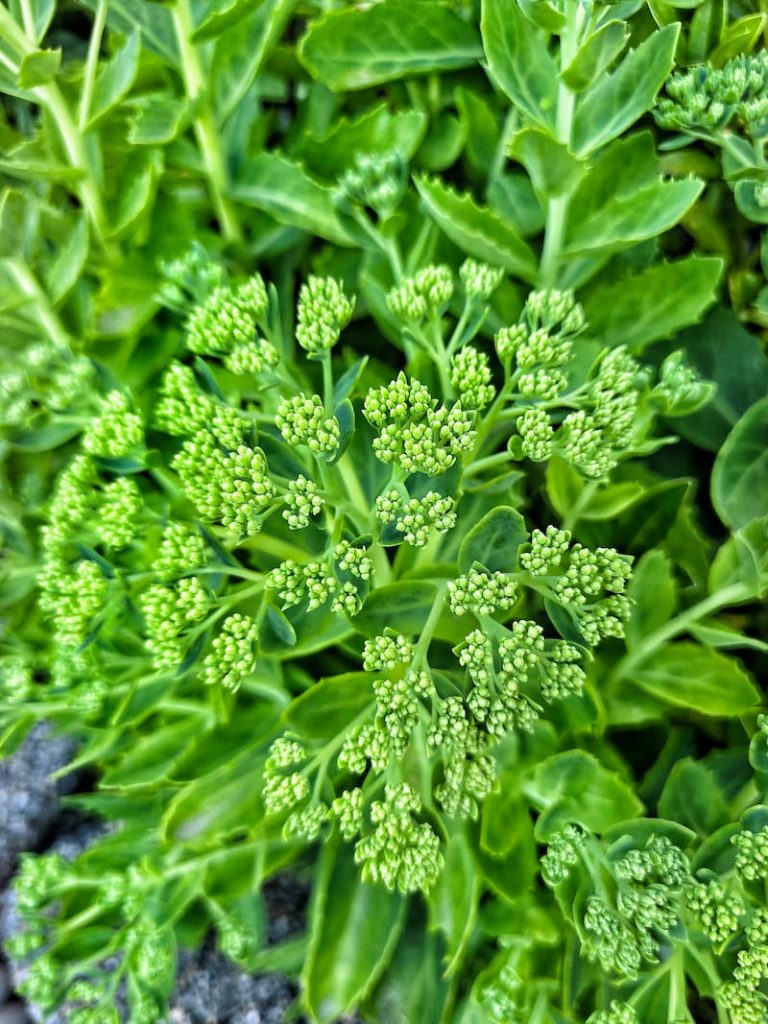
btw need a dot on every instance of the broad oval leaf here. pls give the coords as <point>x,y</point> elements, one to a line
<point>705,681</point>
<point>740,473</point>
<point>494,541</point>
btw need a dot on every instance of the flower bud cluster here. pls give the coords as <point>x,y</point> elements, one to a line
<point>375,181</point>
<point>233,654</point>
<point>423,296</point>
<point>399,852</point>
<point>228,318</point>
<point>414,431</point>
<point>303,503</point>
<point>752,853</point>
<point>417,518</point>
<point>302,420</point>
<point>386,652</point>
<point>481,592</point>
<point>706,100</point>
<point>479,279</point>
<point>117,431</point>
<point>322,313</point>
<point>46,376</point>
<point>169,611</point>
<point>562,854</point>
<point>72,597</point>
<point>181,549</point>
<point>618,1013</point>
<point>230,487</point>
<point>119,511</point>
<point>471,378</point>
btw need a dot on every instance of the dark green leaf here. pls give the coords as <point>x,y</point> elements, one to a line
<point>688,676</point>
<point>479,231</point>
<point>330,706</point>
<point>357,47</point>
<point>494,541</point>
<point>740,473</point>
<point>519,60</point>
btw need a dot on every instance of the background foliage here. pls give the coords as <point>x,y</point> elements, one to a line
<point>153,152</point>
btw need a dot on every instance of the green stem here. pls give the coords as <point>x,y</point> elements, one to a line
<point>733,594</point>
<point>204,125</point>
<point>91,64</point>
<point>46,314</point>
<point>557,208</point>
<point>352,486</point>
<point>583,500</point>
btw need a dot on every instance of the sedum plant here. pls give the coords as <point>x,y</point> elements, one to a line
<point>382,495</point>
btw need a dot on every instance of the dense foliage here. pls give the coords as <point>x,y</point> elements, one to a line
<point>383,430</point>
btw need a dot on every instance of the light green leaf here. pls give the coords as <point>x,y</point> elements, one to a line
<point>552,168</point>
<point>157,119</point>
<point>218,15</point>
<point>354,929</point>
<point>617,100</point>
<point>652,594</point>
<point>625,220</point>
<point>740,473</point>
<point>653,303</point>
<point>479,231</point>
<point>139,179</point>
<point>154,21</point>
<point>595,55</point>
<point>519,61</point>
<point>328,707</point>
<point>39,67</point>
<point>453,899</point>
<point>378,130</point>
<point>68,263</point>
<point>494,541</point>
<point>279,186</point>
<point>750,201</point>
<point>574,786</point>
<point>115,78</point>
<point>357,47</point>
<point>611,500</point>
<point>240,53</point>
<point>152,758</point>
<point>688,676</point>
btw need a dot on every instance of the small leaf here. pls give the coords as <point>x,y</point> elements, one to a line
<point>750,200</point>
<point>280,626</point>
<point>403,606</point>
<point>740,473</point>
<point>357,47</point>
<point>329,707</point>
<point>653,303</point>
<point>494,541</point>
<point>705,681</point>
<point>574,786</point>
<point>63,273</point>
<point>354,929</point>
<point>477,230</point>
<point>519,60</point>
<point>39,68</point>
<point>115,78</point>
<point>652,595</point>
<point>595,55</point>
<point>617,100</point>
<point>157,120</point>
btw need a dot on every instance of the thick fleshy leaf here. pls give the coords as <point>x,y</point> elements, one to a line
<point>688,676</point>
<point>740,474</point>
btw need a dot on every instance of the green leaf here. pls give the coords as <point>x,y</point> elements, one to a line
<point>494,541</point>
<point>403,606</point>
<point>617,100</point>
<point>139,179</point>
<point>595,55</point>
<point>276,622</point>
<point>653,303</point>
<point>625,220</point>
<point>115,78</point>
<point>154,21</point>
<point>552,168</point>
<point>740,473</point>
<point>477,230</point>
<point>574,786</point>
<point>241,52</point>
<point>67,266</point>
<point>219,15</point>
<point>413,988</point>
<point>723,352</point>
<point>712,633</point>
<point>377,131</point>
<point>610,501</point>
<point>157,119</point>
<point>519,61</point>
<point>357,47</point>
<point>152,758</point>
<point>647,521</point>
<point>705,681</point>
<point>748,193</point>
<point>453,899</point>
<point>653,596</point>
<point>39,68</point>
<point>330,706</point>
<point>692,797</point>
<point>354,929</point>
<point>279,186</point>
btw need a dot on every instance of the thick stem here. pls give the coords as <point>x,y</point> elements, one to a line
<point>45,313</point>
<point>557,209</point>
<point>733,594</point>
<point>204,125</point>
<point>91,65</point>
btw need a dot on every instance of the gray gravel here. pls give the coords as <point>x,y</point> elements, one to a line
<point>210,989</point>
<point>29,798</point>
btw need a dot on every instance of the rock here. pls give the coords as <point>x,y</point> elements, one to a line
<point>29,798</point>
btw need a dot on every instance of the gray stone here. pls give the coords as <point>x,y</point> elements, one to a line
<point>29,797</point>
